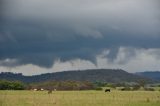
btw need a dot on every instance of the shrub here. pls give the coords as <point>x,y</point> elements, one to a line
<point>126,89</point>
<point>136,87</point>
<point>149,89</point>
<point>98,89</point>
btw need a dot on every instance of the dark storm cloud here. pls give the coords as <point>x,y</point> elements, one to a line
<point>40,32</point>
<point>1,8</point>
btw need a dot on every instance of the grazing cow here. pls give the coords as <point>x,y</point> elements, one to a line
<point>49,91</point>
<point>41,89</point>
<point>35,89</point>
<point>107,90</point>
<point>123,89</point>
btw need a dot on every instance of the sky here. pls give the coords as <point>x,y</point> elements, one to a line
<point>45,36</point>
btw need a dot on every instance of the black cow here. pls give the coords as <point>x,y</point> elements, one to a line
<point>123,89</point>
<point>107,90</point>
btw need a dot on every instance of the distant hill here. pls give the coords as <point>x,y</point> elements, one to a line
<point>155,75</point>
<point>102,75</point>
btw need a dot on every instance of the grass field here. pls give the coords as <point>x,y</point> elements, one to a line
<point>80,98</point>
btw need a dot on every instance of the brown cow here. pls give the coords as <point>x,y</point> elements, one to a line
<point>49,91</point>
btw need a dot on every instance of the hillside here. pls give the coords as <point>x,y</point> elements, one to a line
<point>155,75</point>
<point>103,75</point>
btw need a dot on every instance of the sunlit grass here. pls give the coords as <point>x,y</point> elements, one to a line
<point>79,98</point>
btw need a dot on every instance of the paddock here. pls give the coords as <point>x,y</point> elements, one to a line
<point>80,98</point>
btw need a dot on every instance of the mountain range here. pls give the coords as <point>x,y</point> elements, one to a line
<point>155,75</point>
<point>92,75</point>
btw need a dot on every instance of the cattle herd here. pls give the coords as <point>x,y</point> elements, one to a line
<point>51,90</point>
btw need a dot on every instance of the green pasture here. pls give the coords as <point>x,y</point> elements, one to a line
<point>80,98</point>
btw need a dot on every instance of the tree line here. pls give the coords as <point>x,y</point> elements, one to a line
<point>70,85</point>
<point>62,85</point>
<point>48,85</point>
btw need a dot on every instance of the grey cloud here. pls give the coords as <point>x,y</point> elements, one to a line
<point>125,14</point>
<point>40,32</point>
<point>9,62</point>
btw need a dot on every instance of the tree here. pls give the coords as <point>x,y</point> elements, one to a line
<point>141,83</point>
<point>11,85</point>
